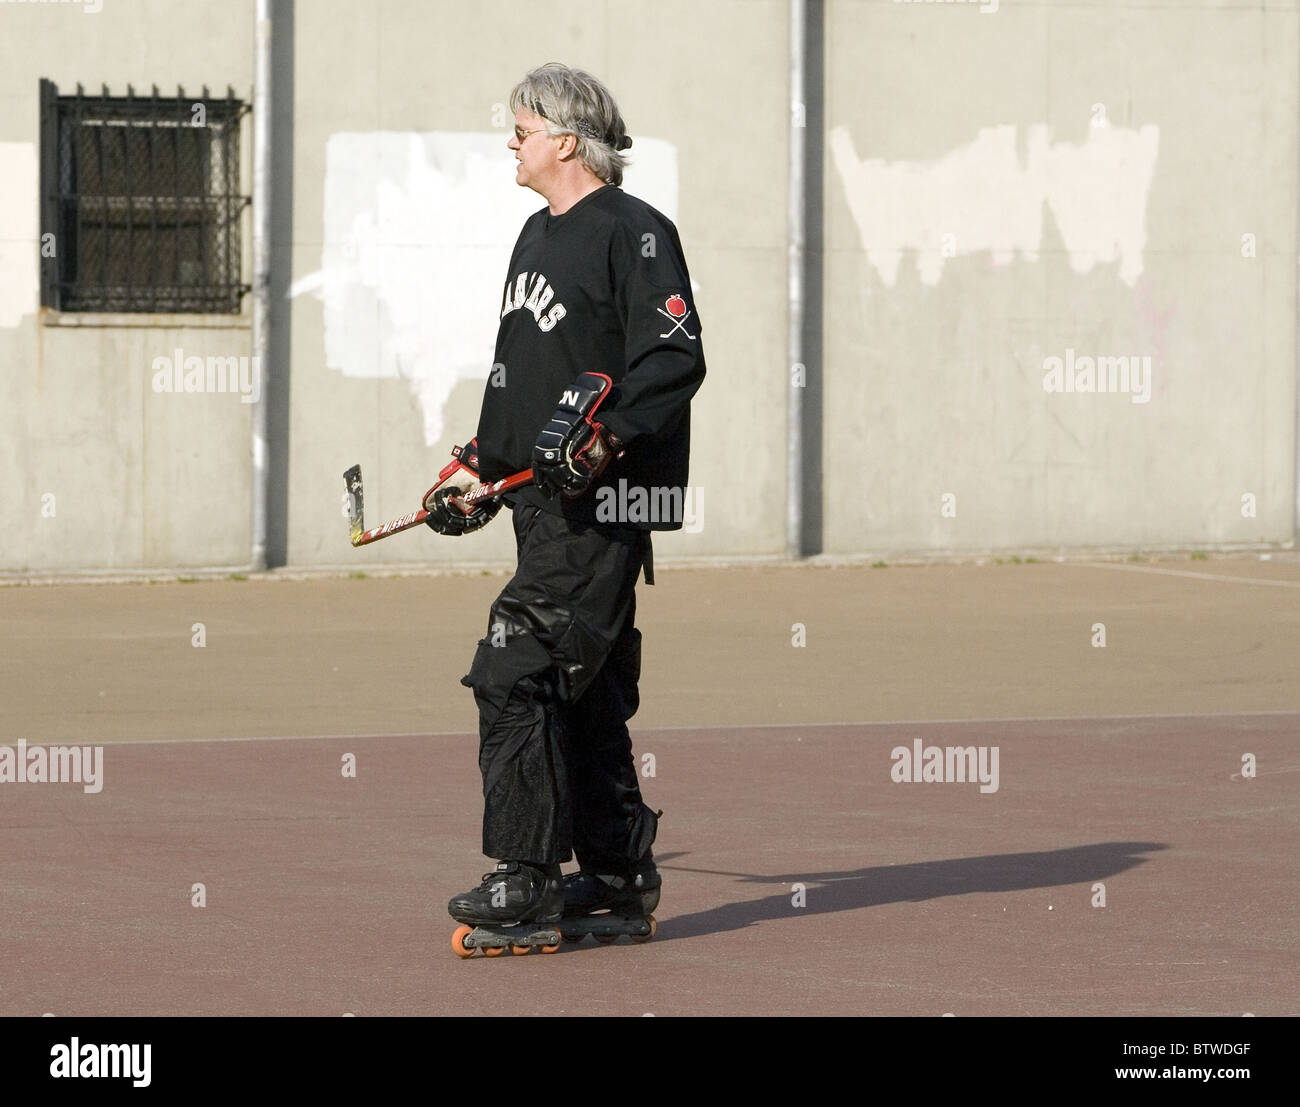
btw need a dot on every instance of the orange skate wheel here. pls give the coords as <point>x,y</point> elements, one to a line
<point>551,949</point>
<point>520,951</point>
<point>654,929</point>
<point>458,941</point>
<point>493,951</point>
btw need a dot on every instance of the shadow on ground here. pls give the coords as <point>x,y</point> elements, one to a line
<point>851,889</point>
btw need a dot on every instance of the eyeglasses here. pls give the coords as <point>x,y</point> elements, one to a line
<point>520,135</point>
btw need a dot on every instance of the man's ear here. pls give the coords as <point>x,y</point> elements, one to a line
<point>568,147</point>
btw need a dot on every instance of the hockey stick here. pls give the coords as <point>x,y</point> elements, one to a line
<point>360,536</point>
<point>578,403</point>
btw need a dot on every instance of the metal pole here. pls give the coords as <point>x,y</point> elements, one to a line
<point>1295,467</point>
<point>1295,470</point>
<point>796,381</point>
<point>261,272</point>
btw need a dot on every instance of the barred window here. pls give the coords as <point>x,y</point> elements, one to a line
<point>140,202</point>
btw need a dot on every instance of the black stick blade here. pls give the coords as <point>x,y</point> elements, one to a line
<point>352,479</point>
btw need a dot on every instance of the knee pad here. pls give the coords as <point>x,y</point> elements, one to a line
<point>517,668</point>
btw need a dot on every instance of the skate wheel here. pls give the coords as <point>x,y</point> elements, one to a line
<point>606,939</point>
<point>654,928</point>
<point>458,946</point>
<point>521,951</point>
<point>551,949</point>
<point>493,951</point>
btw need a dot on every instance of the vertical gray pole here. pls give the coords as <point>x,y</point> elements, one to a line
<point>795,382</point>
<point>261,271</point>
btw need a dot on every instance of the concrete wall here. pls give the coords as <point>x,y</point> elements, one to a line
<point>100,471</point>
<point>1096,167</point>
<point>406,212</point>
<point>1001,188</point>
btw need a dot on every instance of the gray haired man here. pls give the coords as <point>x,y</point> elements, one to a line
<point>597,284</point>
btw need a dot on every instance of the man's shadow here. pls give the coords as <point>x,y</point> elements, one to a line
<point>852,889</point>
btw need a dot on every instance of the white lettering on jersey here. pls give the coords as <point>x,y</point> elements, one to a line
<point>539,296</point>
<point>552,317</point>
<point>534,292</point>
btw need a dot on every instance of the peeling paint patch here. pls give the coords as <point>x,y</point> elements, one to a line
<point>19,232</point>
<point>418,230</point>
<point>982,197</point>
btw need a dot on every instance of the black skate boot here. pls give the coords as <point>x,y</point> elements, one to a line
<point>514,893</point>
<point>635,893</point>
<point>516,908</point>
<point>607,905</point>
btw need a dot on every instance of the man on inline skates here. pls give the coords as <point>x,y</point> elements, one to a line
<point>599,351</point>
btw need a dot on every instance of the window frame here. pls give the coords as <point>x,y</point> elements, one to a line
<point>215,212</point>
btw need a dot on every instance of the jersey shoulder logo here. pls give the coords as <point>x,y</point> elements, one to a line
<point>676,312</point>
<point>533,292</point>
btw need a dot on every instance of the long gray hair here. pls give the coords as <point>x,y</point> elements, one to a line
<point>575,103</point>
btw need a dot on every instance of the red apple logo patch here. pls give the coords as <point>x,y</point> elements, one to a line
<point>676,313</point>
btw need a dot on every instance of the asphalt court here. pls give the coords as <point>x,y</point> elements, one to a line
<point>800,876</point>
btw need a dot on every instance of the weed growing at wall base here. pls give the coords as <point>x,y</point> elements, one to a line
<point>988,7</point>
<point>90,7</point>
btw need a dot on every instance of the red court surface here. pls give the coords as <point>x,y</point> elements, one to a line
<point>800,878</point>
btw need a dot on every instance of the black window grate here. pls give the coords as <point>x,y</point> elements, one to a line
<point>141,195</point>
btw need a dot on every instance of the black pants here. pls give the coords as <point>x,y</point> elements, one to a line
<point>556,681</point>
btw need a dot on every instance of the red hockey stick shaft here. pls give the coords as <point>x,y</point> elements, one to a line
<point>487,491</point>
<point>497,488</point>
<point>404,522</point>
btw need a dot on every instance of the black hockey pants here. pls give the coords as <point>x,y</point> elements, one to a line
<point>556,681</point>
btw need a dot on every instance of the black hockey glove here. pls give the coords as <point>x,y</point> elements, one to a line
<point>448,515</point>
<point>573,449</point>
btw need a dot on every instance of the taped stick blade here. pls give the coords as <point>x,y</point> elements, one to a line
<point>352,480</point>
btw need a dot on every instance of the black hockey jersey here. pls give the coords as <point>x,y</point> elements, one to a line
<point>602,288</point>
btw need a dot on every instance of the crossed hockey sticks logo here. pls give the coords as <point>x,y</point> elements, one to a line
<point>677,314</point>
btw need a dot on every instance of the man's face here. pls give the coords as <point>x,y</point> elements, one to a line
<point>538,153</point>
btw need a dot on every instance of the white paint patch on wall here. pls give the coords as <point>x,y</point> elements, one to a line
<point>988,199</point>
<point>418,233</point>
<point>19,232</point>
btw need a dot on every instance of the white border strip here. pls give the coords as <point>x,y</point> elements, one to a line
<point>1189,573</point>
